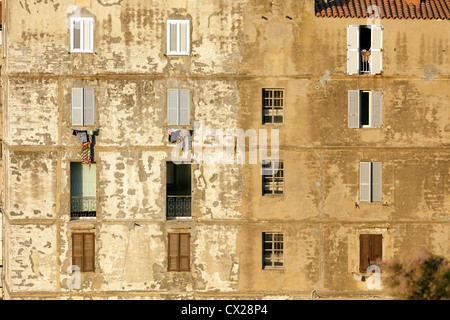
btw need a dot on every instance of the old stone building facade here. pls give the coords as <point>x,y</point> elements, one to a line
<point>363,146</point>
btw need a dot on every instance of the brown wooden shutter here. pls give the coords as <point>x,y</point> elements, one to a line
<point>89,252</point>
<point>376,249</point>
<point>173,263</point>
<point>77,250</point>
<point>184,251</point>
<point>364,252</point>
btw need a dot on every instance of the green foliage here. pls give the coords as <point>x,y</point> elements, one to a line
<point>424,277</point>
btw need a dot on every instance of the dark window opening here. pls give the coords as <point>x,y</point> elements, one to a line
<point>273,104</point>
<point>83,201</point>
<point>178,188</point>
<point>365,36</point>
<point>365,108</point>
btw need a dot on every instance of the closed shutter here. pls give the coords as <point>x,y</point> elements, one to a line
<point>172,107</point>
<point>377,109</point>
<point>364,252</point>
<point>377,191</point>
<point>184,251</point>
<point>364,181</point>
<point>184,37</point>
<point>77,106</point>
<point>172,37</point>
<point>76,35</point>
<point>89,252</point>
<point>173,262</point>
<point>376,57</point>
<point>353,109</point>
<point>77,250</point>
<point>353,49</point>
<point>377,249</point>
<point>184,107</point>
<point>89,109</point>
<point>87,35</point>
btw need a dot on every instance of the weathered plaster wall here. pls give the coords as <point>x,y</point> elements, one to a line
<point>235,53</point>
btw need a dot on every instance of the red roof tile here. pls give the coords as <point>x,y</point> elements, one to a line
<point>395,9</point>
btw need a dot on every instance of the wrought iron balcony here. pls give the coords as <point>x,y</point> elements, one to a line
<point>178,206</point>
<point>83,206</point>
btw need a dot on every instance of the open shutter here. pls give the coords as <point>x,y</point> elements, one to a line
<point>364,181</point>
<point>353,109</point>
<point>89,109</point>
<point>77,106</point>
<point>377,181</point>
<point>173,262</point>
<point>377,245</point>
<point>184,251</point>
<point>77,250</point>
<point>172,107</point>
<point>376,57</point>
<point>353,50</point>
<point>377,109</point>
<point>364,252</point>
<point>89,252</point>
<point>184,107</point>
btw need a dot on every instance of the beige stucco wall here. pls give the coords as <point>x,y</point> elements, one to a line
<point>235,53</point>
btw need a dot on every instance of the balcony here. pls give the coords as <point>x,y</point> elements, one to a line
<point>83,207</point>
<point>178,206</point>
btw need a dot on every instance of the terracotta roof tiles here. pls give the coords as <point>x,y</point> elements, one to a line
<point>387,9</point>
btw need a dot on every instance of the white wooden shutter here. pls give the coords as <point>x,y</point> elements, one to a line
<point>353,109</point>
<point>76,35</point>
<point>376,57</point>
<point>376,109</point>
<point>89,109</point>
<point>88,31</point>
<point>184,37</point>
<point>365,181</point>
<point>353,50</point>
<point>172,107</point>
<point>77,106</point>
<point>184,107</point>
<point>172,31</point>
<point>377,182</point>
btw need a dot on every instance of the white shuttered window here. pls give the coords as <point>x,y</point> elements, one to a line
<point>178,37</point>
<point>370,181</point>
<point>178,107</point>
<point>83,107</point>
<point>81,35</point>
<point>365,112</point>
<point>355,38</point>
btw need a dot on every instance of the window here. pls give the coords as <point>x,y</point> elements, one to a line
<point>178,190</point>
<point>83,183</point>
<point>83,251</point>
<point>178,110</point>
<point>179,252</point>
<point>82,35</point>
<point>370,178</point>
<point>370,250</point>
<point>364,109</point>
<point>273,177</point>
<point>178,37</point>
<point>273,103</point>
<point>83,109</point>
<point>364,47</point>
<point>273,250</point>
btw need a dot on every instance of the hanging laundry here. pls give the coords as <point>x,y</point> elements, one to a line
<point>82,136</point>
<point>86,150</point>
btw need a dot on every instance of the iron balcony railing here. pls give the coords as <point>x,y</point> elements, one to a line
<point>83,206</point>
<point>365,62</point>
<point>178,206</point>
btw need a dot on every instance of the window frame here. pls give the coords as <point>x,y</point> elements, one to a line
<point>83,107</point>
<point>371,182</point>
<point>178,52</point>
<point>273,182</point>
<point>178,107</point>
<point>272,108</point>
<point>73,217</point>
<point>272,250</point>
<point>72,28</point>
<point>179,256</point>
